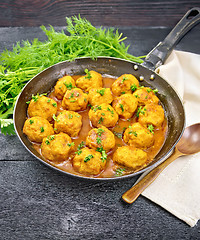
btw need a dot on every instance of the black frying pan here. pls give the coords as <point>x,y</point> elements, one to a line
<point>45,81</point>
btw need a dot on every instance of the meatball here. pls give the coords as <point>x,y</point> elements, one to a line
<point>37,128</point>
<point>138,136</point>
<point>98,96</point>
<point>42,106</point>
<point>63,84</point>
<point>92,79</point>
<point>125,105</point>
<point>104,114</point>
<point>68,122</point>
<point>145,95</point>
<point>151,114</point>
<point>88,161</point>
<point>100,137</point>
<point>75,100</point>
<point>130,157</point>
<point>57,148</point>
<point>124,84</point>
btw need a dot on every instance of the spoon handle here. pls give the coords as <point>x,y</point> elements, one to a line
<point>133,193</point>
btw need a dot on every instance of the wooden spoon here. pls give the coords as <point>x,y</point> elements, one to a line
<point>188,144</point>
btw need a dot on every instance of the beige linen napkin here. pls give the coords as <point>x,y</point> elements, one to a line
<point>177,189</point>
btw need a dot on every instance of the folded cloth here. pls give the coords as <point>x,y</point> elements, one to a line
<point>177,189</point>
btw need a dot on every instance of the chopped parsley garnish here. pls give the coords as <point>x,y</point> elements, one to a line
<point>151,128</point>
<point>31,121</point>
<point>47,142</point>
<point>140,110</point>
<point>122,107</point>
<point>52,137</point>
<point>100,120</point>
<point>101,91</point>
<point>81,145</point>
<point>100,131</point>
<point>49,100</point>
<point>124,78</point>
<point>88,74</point>
<point>88,158</point>
<point>103,153</point>
<point>42,129</point>
<point>98,140</point>
<point>54,104</point>
<point>70,116</point>
<point>71,96</point>
<point>133,87</point>
<point>117,134</point>
<point>70,144</point>
<point>123,92</point>
<point>155,90</point>
<point>151,90</point>
<point>68,86</point>
<point>99,149</point>
<point>103,156</point>
<point>119,171</point>
<point>78,152</point>
<point>97,108</point>
<point>36,97</point>
<point>73,100</point>
<point>133,132</point>
<point>112,112</point>
<point>55,118</point>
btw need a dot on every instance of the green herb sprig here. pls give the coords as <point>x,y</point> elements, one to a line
<point>81,40</point>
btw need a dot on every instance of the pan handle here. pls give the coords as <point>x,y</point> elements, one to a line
<point>157,56</point>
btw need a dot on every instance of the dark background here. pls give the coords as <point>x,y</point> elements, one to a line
<point>31,13</point>
<point>37,202</point>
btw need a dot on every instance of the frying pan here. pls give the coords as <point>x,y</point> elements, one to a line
<point>174,110</point>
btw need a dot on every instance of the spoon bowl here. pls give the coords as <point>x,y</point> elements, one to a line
<point>190,140</point>
<point>188,144</point>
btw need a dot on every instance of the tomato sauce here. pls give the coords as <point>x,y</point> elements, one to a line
<point>112,168</point>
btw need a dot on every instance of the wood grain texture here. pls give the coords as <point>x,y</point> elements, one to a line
<point>98,12</point>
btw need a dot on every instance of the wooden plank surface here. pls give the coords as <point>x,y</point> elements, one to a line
<point>99,12</point>
<point>40,203</point>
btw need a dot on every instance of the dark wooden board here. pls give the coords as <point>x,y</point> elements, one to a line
<point>99,12</point>
<point>39,203</point>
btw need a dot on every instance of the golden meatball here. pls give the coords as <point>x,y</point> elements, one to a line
<point>91,80</point>
<point>130,157</point>
<point>75,100</point>
<point>138,136</point>
<point>100,137</point>
<point>63,84</point>
<point>68,122</point>
<point>125,105</point>
<point>42,106</point>
<point>145,95</point>
<point>151,114</point>
<point>104,114</point>
<point>37,128</point>
<point>88,161</point>
<point>124,84</point>
<point>57,147</point>
<point>98,96</point>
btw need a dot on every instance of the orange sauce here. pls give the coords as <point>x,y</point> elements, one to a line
<point>111,167</point>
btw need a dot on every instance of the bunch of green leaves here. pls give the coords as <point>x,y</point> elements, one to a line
<point>27,59</point>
